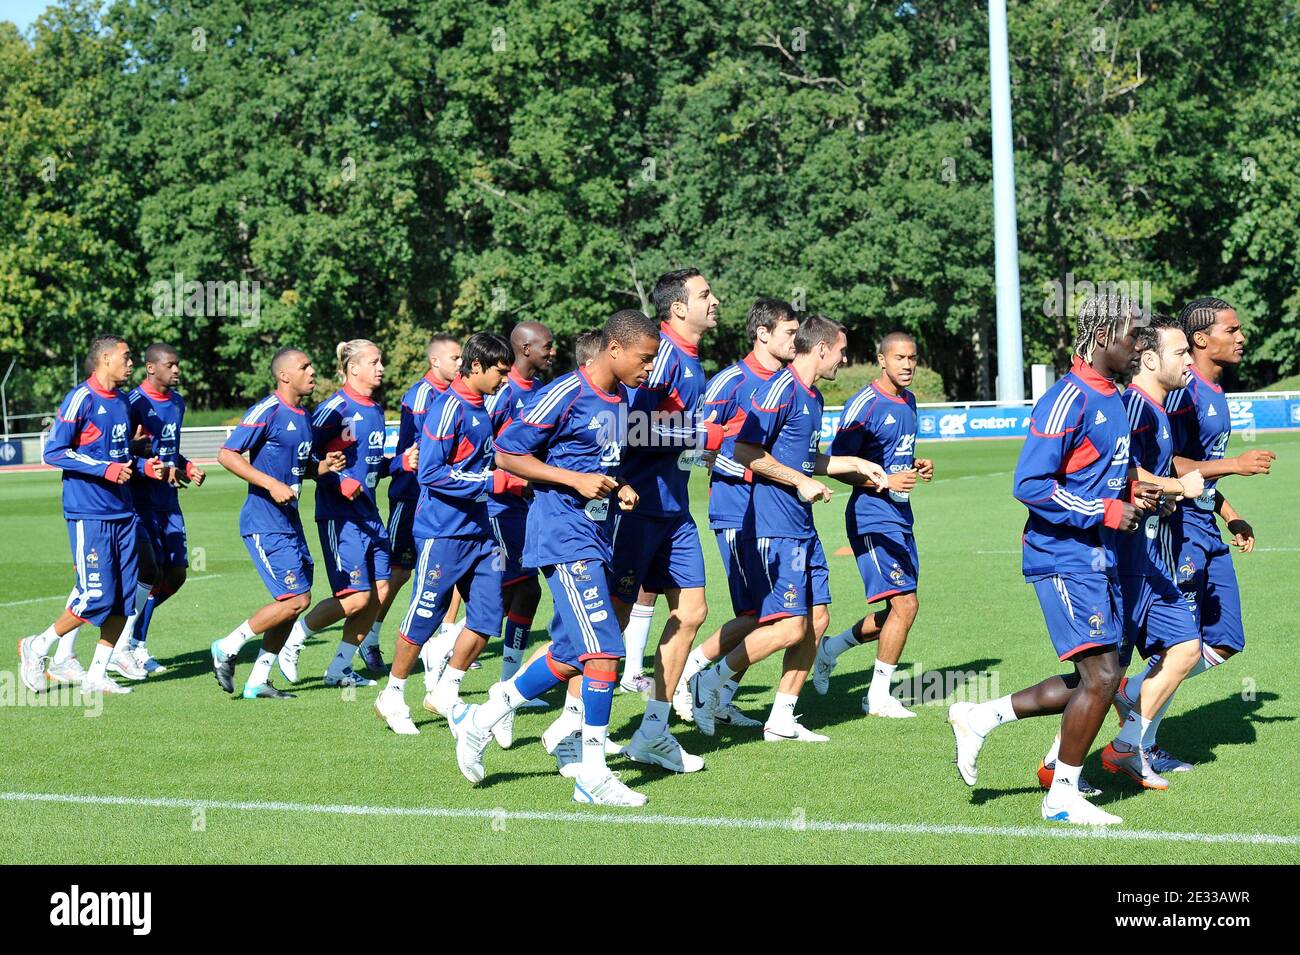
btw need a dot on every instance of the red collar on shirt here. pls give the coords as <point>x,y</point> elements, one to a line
<point>438,384</point>
<point>94,386</point>
<point>294,408</point>
<point>1197,373</point>
<point>677,340</point>
<point>880,390</point>
<point>751,361</point>
<point>795,375</point>
<point>1091,378</point>
<point>613,399</point>
<point>155,395</point>
<point>459,386</point>
<point>1141,391</point>
<point>520,380</point>
<point>359,399</point>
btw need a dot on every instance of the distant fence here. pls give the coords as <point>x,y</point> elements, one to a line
<point>1252,412</point>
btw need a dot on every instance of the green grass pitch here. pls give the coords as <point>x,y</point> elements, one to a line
<point>178,741</point>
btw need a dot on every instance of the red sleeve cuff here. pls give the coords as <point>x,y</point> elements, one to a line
<point>349,486</point>
<point>1113,513</point>
<point>189,470</point>
<point>406,463</point>
<point>112,471</point>
<point>503,482</point>
<point>151,469</point>
<point>714,435</point>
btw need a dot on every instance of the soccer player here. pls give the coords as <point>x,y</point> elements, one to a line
<point>565,445</point>
<point>1073,475</point>
<point>276,435</point>
<point>779,442</point>
<point>89,442</point>
<point>352,535</point>
<point>771,324</point>
<point>1201,423</point>
<point>159,411</point>
<point>403,491</point>
<point>454,539</point>
<point>656,548</point>
<point>879,424</point>
<point>1157,620</point>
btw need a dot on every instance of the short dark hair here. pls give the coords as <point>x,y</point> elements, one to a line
<point>1148,335</point>
<point>277,360</point>
<point>768,313</point>
<point>98,345</point>
<point>1200,314</point>
<point>814,329</point>
<point>585,347</point>
<point>488,349</point>
<point>627,327</point>
<point>157,350</point>
<point>669,288</point>
<point>891,337</point>
<point>442,338</point>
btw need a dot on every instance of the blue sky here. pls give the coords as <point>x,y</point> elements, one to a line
<point>22,12</point>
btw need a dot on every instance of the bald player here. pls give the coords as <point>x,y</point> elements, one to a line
<point>404,490</point>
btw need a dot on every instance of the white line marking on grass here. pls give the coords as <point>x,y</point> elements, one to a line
<point>41,600</point>
<point>696,822</point>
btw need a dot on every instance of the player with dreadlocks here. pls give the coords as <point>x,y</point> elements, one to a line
<point>1075,477</point>
<point>1201,423</point>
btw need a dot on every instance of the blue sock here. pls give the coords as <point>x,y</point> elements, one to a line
<point>598,698</point>
<point>537,679</point>
<point>517,633</point>
<point>142,624</point>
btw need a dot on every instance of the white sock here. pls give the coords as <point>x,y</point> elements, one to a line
<point>142,592</point>
<point>593,749</point>
<point>45,640</point>
<point>261,671</point>
<point>782,716</point>
<point>487,714</point>
<point>880,679</point>
<point>728,693</point>
<point>128,631</point>
<point>395,685</point>
<point>372,638</point>
<point>1134,728</point>
<point>984,717</point>
<point>1065,781</point>
<point>1209,660</point>
<point>570,718</point>
<point>1153,725</point>
<point>1053,751</point>
<point>839,643</point>
<point>655,719</point>
<point>342,657</point>
<point>67,646</point>
<point>696,662</point>
<point>449,686</point>
<point>299,634</point>
<point>1132,690</point>
<point>234,641</point>
<point>635,637</point>
<point>99,663</point>
<point>451,631</point>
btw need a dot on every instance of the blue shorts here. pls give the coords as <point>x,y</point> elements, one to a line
<point>1206,573</point>
<point>508,527</point>
<point>446,564</point>
<point>401,533</point>
<point>165,531</point>
<point>356,554</point>
<point>1082,611</point>
<point>284,561</point>
<point>105,557</point>
<point>584,625</point>
<point>1157,616</point>
<point>888,563</point>
<point>657,553</point>
<point>792,576</point>
<point>746,595</point>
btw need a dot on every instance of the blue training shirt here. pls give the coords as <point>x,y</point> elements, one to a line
<point>353,424</point>
<point>456,454</point>
<point>162,416</point>
<point>730,395</point>
<point>879,427</point>
<point>786,420</point>
<point>277,437</point>
<point>89,442</point>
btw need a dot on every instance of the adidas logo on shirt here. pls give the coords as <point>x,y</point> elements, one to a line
<point>1211,413</point>
<point>686,373</point>
<point>890,419</point>
<point>473,421</point>
<point>103,410</point>
<point>805,409</point>
<point>1100,419</point>
<point>291,427</point>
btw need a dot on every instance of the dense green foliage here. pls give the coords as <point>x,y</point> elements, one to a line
<point>388,167</point>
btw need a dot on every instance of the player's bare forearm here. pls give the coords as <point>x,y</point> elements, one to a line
<point>1209,469</point>
<point>757,459</point>
<point>1166,485</point>
<point>1223,508</point>
<point>238,465</point>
